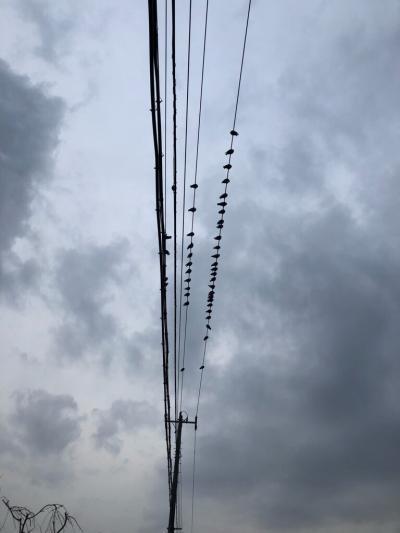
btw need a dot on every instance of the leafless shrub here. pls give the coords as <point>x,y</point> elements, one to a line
<point>52,518</point>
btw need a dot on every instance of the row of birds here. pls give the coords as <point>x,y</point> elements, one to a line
<point>220,224</point>
<point>216,255</point>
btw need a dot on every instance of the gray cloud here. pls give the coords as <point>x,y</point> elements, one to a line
<point>83,279</point>
<point>45,423</point>
<point>54,23</point>
<point>307,425</point>
<point>123,416</point>
<point>29,126</point>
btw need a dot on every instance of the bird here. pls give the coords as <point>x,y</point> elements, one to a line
<point>222,204</point>
<point>205,338</point>
<point>218,238</point>
<point>218,247</point>
<point>188,280</point>
<point>213,278</point>
<point>216,256</point>
<point>228,166</point>
<point>214,264</point>
<point>226,180</point>
<point>182,369</point>
<point>192,209</point>
<point>168,236</point>
<point>194,186</point>
<point>188,271</point>
<point>224,195</point>
<point>221,212</point>
<point>234,132</point>
<point>191,234</point>
<point>208,326</point>
<point>186,294</point>
<point>230,151</point>
<point>189,255</point>
<point>201,368</point>
<point>188,264</point>
<point>212,286</point>
<point>186,303</point>
<point>189,246</point>
<point>166,252</point>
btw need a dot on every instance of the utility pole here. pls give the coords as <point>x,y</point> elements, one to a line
<point>174,487</point>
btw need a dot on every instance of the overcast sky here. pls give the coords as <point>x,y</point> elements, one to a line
<point>299,426</point>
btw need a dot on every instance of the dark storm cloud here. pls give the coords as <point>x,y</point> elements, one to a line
<point>45,423</point>
<point>83,279</point>
<point>29,126</point>
<point>124,416</point>
<point>307,424</point>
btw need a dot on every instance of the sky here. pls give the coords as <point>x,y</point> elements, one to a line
<point>299,422</point>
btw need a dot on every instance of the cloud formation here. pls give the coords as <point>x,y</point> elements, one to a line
<point>45,423</point>
<point>29,127</point>
<point>122,417</point>
<point>83,278</point>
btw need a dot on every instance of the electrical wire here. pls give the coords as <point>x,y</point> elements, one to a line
<point>162,236</point>
<point>181,370</point>
<point>194,186</point>
<point>193,481</point>
<point>174,189</point>
<point>228,166</point>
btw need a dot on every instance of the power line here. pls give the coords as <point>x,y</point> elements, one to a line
<point>161,233</point>
<point>193,481</point>
<point>220,223</point>
<point>194,186</point>
<point>181,370</point>
<point>173,15</point>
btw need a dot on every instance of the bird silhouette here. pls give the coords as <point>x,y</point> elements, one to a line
<point>186,303</point>
<point>194,186</point>
<point>230,151</point>
<point>221,212</point>
<point>228,166</point>
<point>201,368</point>
<point>226,180</point>
<point>189,255</point>
<point>190,246</point>
<point>188,264</point>
<point>218,238</point>
<point>222,204</point>
<point>208,326</point>
<point>224,195</point>
<point>192,209</point>
<point>234,132</point>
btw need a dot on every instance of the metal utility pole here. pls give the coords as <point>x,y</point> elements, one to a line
<point>174,486</point>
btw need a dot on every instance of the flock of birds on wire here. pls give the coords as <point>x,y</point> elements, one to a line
<point>222,204</point>
<point>163,237</point>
